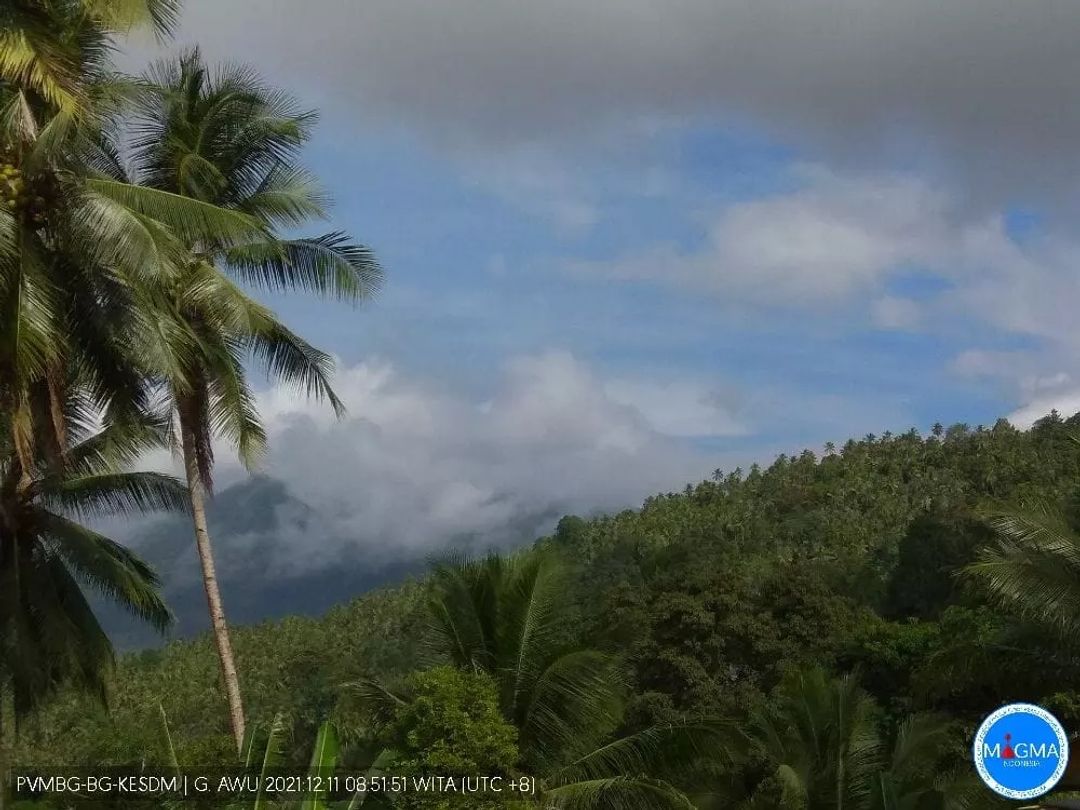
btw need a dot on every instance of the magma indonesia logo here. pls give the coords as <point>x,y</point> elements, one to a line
<point>1021,751</point>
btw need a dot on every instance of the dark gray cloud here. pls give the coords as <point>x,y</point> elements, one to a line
<point>988,85</point>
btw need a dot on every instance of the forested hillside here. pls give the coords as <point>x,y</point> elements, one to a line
<point>588,301</point>
<point>710,600</point>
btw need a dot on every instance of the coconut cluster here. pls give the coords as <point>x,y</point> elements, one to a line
<point>23,196</point>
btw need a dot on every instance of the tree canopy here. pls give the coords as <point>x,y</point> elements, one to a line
<point>706,611</point>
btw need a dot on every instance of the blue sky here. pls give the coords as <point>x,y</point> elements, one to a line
<point>477,275</point>
<point>627,243</point>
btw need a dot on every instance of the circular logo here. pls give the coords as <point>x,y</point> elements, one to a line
<point>1021,751</point>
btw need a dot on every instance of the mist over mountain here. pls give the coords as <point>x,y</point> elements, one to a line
<point>253,523</point>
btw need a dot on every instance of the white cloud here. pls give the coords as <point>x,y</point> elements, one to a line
<point>985,363</point>
<point>892,312</point>
<point>1065,402</point>
<point>539,184</point>
<point>413,467</point>
<point>683,408</point>
<point>1033,292</point>
<point>416,467</point>
<point>835,244</point>
<point>1035,378</point>
<point>834,237</point>
<point>1042,380</point>
<point>838,240</point>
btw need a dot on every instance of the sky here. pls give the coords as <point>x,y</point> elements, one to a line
<point>630,242</point>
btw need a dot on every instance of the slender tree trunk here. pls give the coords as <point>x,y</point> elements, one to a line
<point>5,756</point>
<point>197,493</point>
<point>3,753</point>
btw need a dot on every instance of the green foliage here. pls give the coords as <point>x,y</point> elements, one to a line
<point>39,59</point>
<point>932,551</point>
<point>1034,568</point>
<point>615,647</point>
<point>847,561</point>
<point>293,668</point>
<point>451,725</point>
<point>507,616</point>
<point>823,750</point>
<point>698,614</point>
<point>49,634</point>
<point>511,617</point>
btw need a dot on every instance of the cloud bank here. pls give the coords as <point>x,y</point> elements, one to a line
<point>415,468</point>
<point>987,85</point>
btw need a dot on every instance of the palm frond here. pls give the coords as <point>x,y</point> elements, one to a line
<point>272,757</point>
<point>326,265</point>
<point>918,747</point>
<point>118,444</point>
<point>59,633</point>
<point>18,122</point>
<point>378,699</point>
<point>109,568</point>
<point>32,57</point>
<point>291,359</point>
<point>115,234</point>
<point>232,411</point>
<point>287,195</point>
<point>31,334</point>
<point>572,704</point>
<point>324,758</point>
<point>194,221</point>
<point>119,493</point>
<point>124,15</point>
<point>464,609</point>
<point>1034,567</point>
<point>659,749</point>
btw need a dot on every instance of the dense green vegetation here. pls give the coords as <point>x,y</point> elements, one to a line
<point>132,211</point>
<point>823,634</point>
<point>705,616</point>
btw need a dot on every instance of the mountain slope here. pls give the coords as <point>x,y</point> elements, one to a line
<point>709,595</point>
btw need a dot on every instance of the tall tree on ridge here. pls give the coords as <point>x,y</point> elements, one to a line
<point>226,140</point>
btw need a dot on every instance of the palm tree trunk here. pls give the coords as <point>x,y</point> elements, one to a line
<point>197,493</point>
<point>5,762</point>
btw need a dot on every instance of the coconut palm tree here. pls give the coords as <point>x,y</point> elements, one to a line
<point>1033,571</point>
<point>200,361</point>
<point>43,44</point>
<point>76,244</point>
<point>507,616</point>
<point>226,141</point>
<point>820,738</point>
<point>72,261</point>
<point>48,558</point>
